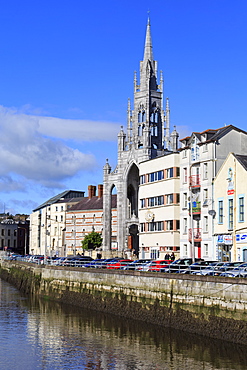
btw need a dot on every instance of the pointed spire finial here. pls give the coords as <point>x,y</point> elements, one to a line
<point>148,51</point>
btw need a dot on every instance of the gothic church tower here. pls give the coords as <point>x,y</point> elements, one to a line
<point>148,136</point>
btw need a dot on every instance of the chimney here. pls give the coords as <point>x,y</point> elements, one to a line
<point>100,191</point>
<point>91,191</point>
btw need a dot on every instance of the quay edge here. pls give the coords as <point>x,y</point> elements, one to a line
<point>209,306</point>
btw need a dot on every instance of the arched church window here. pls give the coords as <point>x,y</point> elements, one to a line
<point>154,130</point>
<point>154,104</point>
<point>143,116</point>
<point>139,117</point>
<point>140,130</point>
<point>156,117</point>
<point>152,117</point>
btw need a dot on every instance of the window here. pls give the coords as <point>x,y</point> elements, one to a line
<point>230,214</point>
<point>185,249</point>
<point>61,218</point>
<point>154,130</point>
<point>142,227</point>
<point>241,209</point>
<point>151,226</point>
<point>178,224</point>
<point>184,153</point>
<point>61,208</point>
<point>205,171</point>
<point>185,226</point>
<point>55,230</point>
<point>205,147</point>
<point>142,179</point>
<point>140,130</point>
<point>169,199</point>
<point>185,200</point>
<point>8,232</point>
<point>160,226</point>
<point>56,209</point>
<point>2,232</point>
<point>220,211</point>
<point>206,249</point>
<point>185,177</point>
<point>169,225</point>
<point>156,201</point>
<point>205,224</point>
<point>169,173</point>
<point>155,176</point>
<point>56,218</point>
<point>142,203</point>
<point>205,195</point>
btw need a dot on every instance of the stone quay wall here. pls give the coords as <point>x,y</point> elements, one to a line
<point>210,306</point>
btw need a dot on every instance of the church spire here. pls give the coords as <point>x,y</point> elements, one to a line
<point>148,50</point>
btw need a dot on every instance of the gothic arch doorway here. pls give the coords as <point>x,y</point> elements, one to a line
<point>132,192</point>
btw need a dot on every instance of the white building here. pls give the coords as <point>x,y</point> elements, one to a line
<point>48,224</point>
<point>230,222</point>
<point>159,207</point>
<point>201,156</point>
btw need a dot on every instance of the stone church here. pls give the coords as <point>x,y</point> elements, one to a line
<point>147,137</point>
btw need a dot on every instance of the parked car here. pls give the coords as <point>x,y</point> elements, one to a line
<point>209,270</point>
<point>228,266</point>
<point>179,264</point>
<point>116,265</point>
<point>94,264</point>
<point>105,262</point>
<point>196,267</point>
<point>135,264</point>
<point>236,272</point>
<point>144,266</point>
<point>76,261</point>
<point>158,265</point>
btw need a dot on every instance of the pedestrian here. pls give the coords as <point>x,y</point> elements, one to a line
<point>172,256</point>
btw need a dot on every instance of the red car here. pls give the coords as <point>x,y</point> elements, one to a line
<point>158,265</point>
<point>117,264</point>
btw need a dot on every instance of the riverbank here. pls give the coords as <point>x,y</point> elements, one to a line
<point>209,306</point>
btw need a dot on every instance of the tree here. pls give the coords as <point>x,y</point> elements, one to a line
<point>92,241</point>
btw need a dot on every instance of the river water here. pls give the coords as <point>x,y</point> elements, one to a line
<point>38,334</point>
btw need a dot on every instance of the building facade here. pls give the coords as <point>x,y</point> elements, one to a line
<point>87,216</point>
<point>159,212</point>
<point>14,236</point>
<point>147,137</point>
<point>48,224</point>
<point>201,156</point>
<point>230,223</point>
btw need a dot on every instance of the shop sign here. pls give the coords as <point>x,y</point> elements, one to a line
<point>241,238</point>
<point>228,239</point>
<point>224,239</point>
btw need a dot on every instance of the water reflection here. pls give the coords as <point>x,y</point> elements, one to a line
<point>37,334</point>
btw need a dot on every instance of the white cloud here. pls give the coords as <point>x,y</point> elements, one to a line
<point>30,148</point>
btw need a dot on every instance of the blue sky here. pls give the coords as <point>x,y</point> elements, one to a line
<point>66,72</point>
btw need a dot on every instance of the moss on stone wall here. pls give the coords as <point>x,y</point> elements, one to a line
<point>160,307</point>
